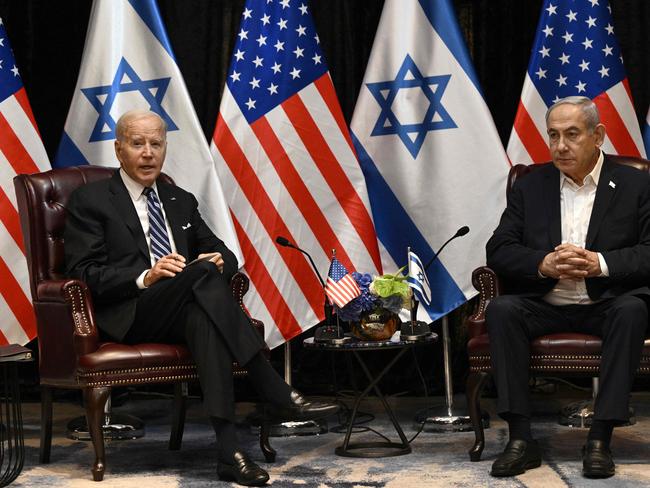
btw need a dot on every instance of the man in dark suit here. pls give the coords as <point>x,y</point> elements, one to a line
<point>573,248</point>
<point>132,239</point>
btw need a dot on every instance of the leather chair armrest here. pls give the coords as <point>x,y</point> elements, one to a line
<point>486,281</point>
<point>77,321</point>
<point>239,285</point>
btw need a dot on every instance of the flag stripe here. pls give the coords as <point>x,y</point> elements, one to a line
<point>297,188</point>
<point>336,178</point>
<point>11,220</point>
<point>529,136</point>
<point>16,299</point>
<point>262,205</point>
<point>266,287</point>
<point>21,97</point>
<point>325,87</point>
<point>14,150</point>
<point>616,129</point>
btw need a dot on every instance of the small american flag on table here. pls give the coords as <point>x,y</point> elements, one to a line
<point>340,287</point>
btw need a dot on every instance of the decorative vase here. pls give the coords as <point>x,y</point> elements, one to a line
<point>377,325</point>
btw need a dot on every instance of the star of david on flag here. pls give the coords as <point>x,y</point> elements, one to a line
<point>434,118</point>
<point>575,53</point>
<point>127,64</point>
<point>417,278</point>
<point>125,80</point>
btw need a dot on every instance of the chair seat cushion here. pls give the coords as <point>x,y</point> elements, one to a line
<point>114,356</point>
<point>564,344</point>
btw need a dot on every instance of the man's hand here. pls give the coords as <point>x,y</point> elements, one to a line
<point>165,267</point>
<point>214,257</point>
<point>568,261</point>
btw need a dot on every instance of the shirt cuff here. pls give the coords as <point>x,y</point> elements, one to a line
<point>604,270</point>
<point>140,280</point>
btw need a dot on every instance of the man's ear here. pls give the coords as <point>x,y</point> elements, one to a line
<point>118,148</point>
<point>600,134</point>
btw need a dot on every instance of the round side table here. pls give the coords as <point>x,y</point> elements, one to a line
<point>358,348</point>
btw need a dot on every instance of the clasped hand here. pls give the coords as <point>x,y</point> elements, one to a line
<point>168,266</point>
<point>568,261</point>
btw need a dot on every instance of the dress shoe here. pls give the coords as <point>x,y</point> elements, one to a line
<point>300,408</point>
<point>516,458</point>
<point>597,460</point>
<point>242,471</point>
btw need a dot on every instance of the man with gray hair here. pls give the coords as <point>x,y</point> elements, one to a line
<point>157,273</point>
<point>573,249</point>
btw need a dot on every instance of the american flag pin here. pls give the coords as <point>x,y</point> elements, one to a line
<point>612,184</point>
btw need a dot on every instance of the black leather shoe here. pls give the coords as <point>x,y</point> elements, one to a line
<point>597,460</point>
<point>242,471</point>
<point>301,409</point>
<point>516,458</point>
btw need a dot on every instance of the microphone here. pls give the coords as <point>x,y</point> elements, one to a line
<point>327,332</point>
<point>284,242</point>
<point>459,233</point>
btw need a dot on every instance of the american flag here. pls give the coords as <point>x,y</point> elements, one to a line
<point>284,155</point>
<point>340,287</point>
<point>575,53</point>
<point>21,151</point>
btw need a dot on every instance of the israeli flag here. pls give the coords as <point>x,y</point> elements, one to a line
<point>128,64</point>
<point>428,147</point>
<point>417,279</point>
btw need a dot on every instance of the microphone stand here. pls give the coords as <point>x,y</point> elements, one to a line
<point>442,418</point>
<point>328,332</point>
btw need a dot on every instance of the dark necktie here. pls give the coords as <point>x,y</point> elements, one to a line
<point>160,245</point>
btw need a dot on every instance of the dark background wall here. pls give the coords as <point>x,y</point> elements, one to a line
<point>48,38</point>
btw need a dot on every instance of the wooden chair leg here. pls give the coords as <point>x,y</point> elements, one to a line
<point>46,425</point>
<point>267,450</point>
<point>473,389</point>
<point>178,416</point>
<point>94,401</point>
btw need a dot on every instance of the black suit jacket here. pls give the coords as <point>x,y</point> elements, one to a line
<point>106,247</point>
<point>619,228</point>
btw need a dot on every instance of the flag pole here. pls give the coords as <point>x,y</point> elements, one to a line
<point>329,332</point>
<point>418,330</point>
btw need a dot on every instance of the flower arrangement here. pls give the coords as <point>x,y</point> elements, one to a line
<point>388,291</point>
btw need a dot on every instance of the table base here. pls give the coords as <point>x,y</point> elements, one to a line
<point>379,449</point>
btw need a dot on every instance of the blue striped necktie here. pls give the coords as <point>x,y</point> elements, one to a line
<point>160,245</point>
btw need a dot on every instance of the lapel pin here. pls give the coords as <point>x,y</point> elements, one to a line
<point>612,184</point>
<point>186,226</point>
<point>174,198</point>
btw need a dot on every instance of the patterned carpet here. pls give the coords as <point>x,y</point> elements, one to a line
<point>310,462</point>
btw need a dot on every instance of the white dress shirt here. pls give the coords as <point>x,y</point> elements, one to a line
<point>576,204</point>
<point>140,203</point>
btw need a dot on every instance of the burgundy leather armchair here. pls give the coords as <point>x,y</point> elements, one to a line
<point>564,354</point>
<point>71,352</point>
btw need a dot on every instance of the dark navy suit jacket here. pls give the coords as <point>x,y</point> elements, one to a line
<point>619,228</point>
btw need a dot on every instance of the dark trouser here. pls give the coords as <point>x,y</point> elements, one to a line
<point>514,321</point>
<point>197,308</point>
